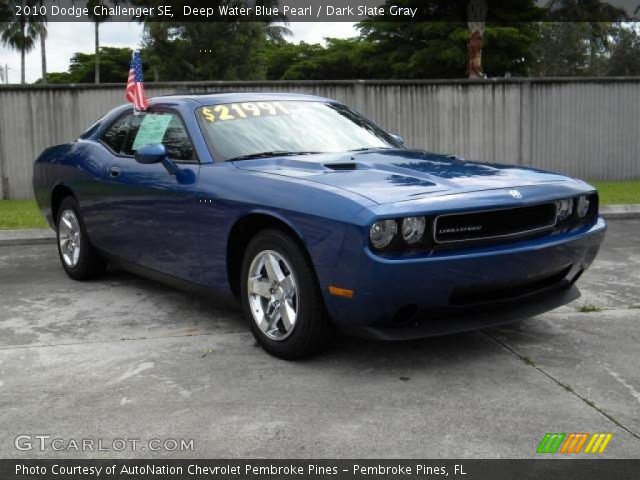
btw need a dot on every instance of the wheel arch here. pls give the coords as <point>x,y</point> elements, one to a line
<point>241,233</point>
<point>58,194</point>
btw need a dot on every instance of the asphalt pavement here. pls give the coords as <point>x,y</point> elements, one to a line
<point>125,359</point>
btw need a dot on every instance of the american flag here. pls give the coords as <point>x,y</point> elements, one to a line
<point>135,84</point>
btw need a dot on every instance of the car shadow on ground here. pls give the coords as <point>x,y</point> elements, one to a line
<point>346,350</point>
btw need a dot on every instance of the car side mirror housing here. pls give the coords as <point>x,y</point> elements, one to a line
<point>150,154</point>
<point>156,153</point>
<point>398,138</point>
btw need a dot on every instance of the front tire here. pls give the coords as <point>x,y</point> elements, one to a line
<point>79,259</point>
<point>281,297</point>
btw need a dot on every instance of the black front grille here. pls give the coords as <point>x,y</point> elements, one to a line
<point>489,224</point>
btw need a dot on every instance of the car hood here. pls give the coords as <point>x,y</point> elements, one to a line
<point>386,176</point>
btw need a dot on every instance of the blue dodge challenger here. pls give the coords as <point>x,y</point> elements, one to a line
<point>311,217</point>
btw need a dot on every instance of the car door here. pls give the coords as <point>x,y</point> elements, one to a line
<point>150,212</point>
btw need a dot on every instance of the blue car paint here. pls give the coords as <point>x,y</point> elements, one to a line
<point>386,176</point>
<point>385,285</point>
<point>180,224</point>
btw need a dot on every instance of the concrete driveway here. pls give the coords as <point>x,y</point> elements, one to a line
<point>124,358</point>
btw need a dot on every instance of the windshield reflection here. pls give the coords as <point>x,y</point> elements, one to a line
<point>258,129</point>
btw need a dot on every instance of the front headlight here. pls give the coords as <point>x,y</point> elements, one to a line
<point>381,233</point>
<point>413,229</point>
<point>583,206</point>
<point>564,209</point>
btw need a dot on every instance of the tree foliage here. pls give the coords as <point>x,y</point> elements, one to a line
<point>229,50</point>
<point>514,43</point>
<point>5,13</point>
<point>339,59</point>
<point>114,67</point>
<point>625,53</point>
<point>563,49</point>
<point>437,47</point>
<point>205,51</point>
<point>598,21</point>
<point>571,49</point>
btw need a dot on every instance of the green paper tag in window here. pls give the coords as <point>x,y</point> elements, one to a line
<point>152,130</point>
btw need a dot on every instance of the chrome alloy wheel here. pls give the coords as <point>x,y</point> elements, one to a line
<point>273,294</point>
<point>69,238</point>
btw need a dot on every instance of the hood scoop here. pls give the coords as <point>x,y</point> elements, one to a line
<point>342,166</point>
<point>347,164</point>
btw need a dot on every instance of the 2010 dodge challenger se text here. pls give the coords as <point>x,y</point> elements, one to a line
<point>312,217</point>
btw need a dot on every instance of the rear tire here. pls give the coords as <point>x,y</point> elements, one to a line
<point>281,298</point>
<point>78,257</point>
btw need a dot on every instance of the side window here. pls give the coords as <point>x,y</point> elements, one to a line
<point>165,128</point>
<point>117,133</point>
<point>177,141</point>
<point>134,126</point>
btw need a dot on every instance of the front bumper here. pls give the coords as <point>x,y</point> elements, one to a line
<point>401,298</point>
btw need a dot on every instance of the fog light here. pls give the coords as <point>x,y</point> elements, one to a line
<point>564,209</point>
<point>413,229</point>
<point>583,206</point>
<point>382,233</point>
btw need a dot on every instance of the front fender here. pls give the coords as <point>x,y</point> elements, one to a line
<point>323,238</point>
<point>319,215</point>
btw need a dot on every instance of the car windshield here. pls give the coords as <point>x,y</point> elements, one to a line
<point>248,130</point>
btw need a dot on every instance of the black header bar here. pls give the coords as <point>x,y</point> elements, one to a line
<point>306,11</point>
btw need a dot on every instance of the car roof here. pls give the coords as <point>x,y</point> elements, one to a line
<point>213,98</point>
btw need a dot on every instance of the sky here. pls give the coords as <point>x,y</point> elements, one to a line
<point>65,39</point>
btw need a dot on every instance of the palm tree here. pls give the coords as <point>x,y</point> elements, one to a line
<point>476,14</point>
<point>96,31</point>
<point>96,23</point>
<point>20,34</point>
<point>277,33</point>
<point>43,43</point>
<point>276,27</point>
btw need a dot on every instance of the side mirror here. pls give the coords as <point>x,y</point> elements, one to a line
<point>398,138</point>
<point>149,154</point>
<point>156,153</point>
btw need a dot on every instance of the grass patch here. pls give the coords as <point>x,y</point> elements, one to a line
<point>18,214</point>
<point>589,307</point>
<point>615,193</point>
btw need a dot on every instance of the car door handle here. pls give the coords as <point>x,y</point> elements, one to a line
<point>114,172</point>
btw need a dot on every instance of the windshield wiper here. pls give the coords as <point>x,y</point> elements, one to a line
<point>273,153</point>
<point>363,149</point>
